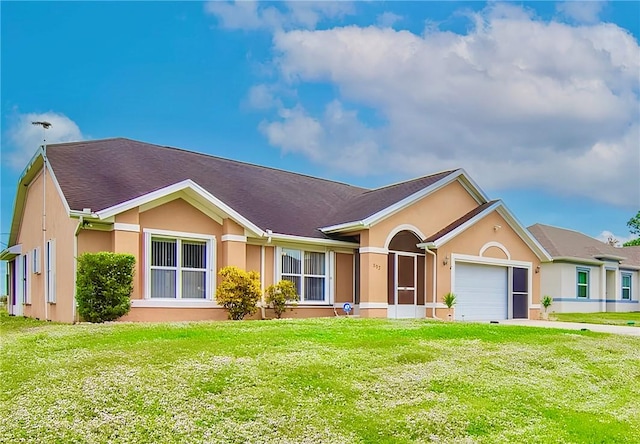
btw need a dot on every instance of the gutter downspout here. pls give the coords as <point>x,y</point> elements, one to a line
<point>433,308</point>
<point>263,310</point>
<point>75,268</point>
<point>44,231</point>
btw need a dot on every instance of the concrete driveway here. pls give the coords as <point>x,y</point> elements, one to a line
<point>603,328</point>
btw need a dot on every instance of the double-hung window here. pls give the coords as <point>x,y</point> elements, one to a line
<point>179,268</point>
<point>626,286</point>
<point>25,279</point>
<point>50,270</point>
<point>308,271</point>
<point>583,282</point>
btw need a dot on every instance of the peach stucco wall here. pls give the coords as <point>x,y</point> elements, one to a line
<point>253,258</point>
<point>471,241</point>
<point>430,214</point>
<point>269,263</point>
<point>59,227</point>
<point>344,278</point>
<point>94,241</point>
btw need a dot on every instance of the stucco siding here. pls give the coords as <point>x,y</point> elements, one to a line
<point>429,214</point>
<point>344,278</point>
<point>60,228</point>
<point>472,240</point>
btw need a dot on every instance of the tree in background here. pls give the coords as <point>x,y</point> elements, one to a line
<point>634,228</point>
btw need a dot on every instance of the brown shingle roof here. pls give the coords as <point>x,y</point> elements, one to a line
<point>370,202</point>
<point>456,223</point>
<point>102,173</point>
<point>560,242</point>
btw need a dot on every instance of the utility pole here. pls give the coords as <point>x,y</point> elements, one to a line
<point>45,126</point>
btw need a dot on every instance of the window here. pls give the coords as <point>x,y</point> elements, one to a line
<point>583,282</point>
<point>36,261</point>
<point>626,286</point>
<point>178,268</point>
<point>50,270</point>
<point>25,278</point>
<point>307,270</point>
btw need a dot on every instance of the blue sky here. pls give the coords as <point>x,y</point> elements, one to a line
<point>538,101</point>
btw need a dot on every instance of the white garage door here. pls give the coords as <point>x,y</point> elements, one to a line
<point>481,292</point>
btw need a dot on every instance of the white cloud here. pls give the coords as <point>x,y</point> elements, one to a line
<point>388,19</point>
<point>581,11</point>
<point>252,15</point>
<point>607,237</point>
<point>337,138</point>
<point>517,101</point>
<point>24,138</point>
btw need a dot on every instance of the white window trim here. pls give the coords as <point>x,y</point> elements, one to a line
<point>329,264</point>
<point>622,276</point>
<point>50,270</point>
<point>209,300</point>
<point>26,280</point>
<point>587,285</point>
<point>36,261</point>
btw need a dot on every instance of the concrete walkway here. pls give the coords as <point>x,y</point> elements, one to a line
<point>602,328</point>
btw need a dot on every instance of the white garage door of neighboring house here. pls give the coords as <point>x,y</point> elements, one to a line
<point>481,292</point>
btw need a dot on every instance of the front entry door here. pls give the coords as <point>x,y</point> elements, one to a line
<point>405,292</point>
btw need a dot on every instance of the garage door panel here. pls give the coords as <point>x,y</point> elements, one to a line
<point>481,292</point>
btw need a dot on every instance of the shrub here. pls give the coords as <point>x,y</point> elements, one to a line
<point>238,292</point>
<point>449,300</point>
<point>281,294</point>
<point>104,285</point>
<point>546,302</point>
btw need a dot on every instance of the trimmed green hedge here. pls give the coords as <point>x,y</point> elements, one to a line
<point>104,285</point>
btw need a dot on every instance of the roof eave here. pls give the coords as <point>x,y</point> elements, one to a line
<point>580,260</point>
<point>10,252</point>
<point>609,257</point>
<point>459,174</point>
<point>180,186</point>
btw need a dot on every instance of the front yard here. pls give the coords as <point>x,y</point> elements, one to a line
<point>630,318</point>
<point>315,380</point>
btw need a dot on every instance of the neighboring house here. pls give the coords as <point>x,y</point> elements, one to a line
<point>587,275</point>
<point>391,252</point>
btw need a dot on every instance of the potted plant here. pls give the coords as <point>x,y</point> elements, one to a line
<point>546,303</point>
<point>449,300</point>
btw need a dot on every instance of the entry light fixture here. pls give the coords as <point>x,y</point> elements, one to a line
<point>496,227</point>
<point>445,261</point>
<point>538,269</point>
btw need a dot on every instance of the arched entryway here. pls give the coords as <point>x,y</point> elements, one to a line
<point>406,277</point>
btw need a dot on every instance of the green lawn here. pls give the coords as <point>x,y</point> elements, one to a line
<point>316,380</point>
<point>600,318</point>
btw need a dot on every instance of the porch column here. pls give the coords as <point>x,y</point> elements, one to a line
<point>373,282</point>
<point>234,245</point>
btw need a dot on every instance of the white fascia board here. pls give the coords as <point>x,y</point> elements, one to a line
<point>58,189</point>
<point>21,193</point>
<point>10,252</point>
<point>392,209</point>
<point>473,188</point>
<point>311,240</point>
<point>401,204</point>
<point>524,234</point>
<point>453,233</point>
<point>348,226</point>
<point>179,186</point>
<point>459,174</point>
<point>578,260</point>
<point>609,257</point>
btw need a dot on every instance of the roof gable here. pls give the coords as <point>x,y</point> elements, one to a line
<point>376,205</point>
<point>564,243</point>
<point>472,217</point>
